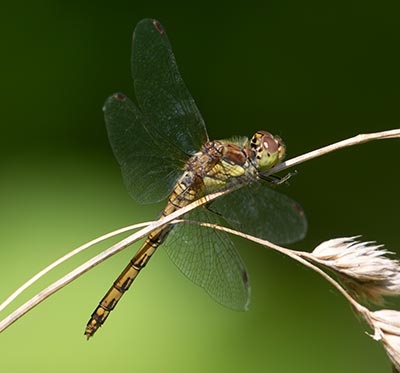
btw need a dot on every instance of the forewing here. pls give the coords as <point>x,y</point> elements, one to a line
<point>263,212</point>
<point>209,259</point>
<point>148,169</point>
<point>161,92</point>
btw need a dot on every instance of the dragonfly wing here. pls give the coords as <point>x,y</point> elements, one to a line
<point>263,212</point>
<point>148,169</point>
<point>161,92</point>
<point>209,259</point>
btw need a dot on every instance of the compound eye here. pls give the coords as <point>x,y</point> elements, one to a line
<point>270,144</point>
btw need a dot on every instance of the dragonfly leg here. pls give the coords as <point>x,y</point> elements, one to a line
<point>277,180</point>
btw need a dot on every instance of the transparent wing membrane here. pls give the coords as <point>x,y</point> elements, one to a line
<point>148,168</point>
<point>161,92</point>
<point>209,259</point>
<point>152,142</point>
<point>258,210</point>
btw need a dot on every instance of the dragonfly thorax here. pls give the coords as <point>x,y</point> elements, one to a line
<point>266,150</point>
<point>219,164</point>
<point>168,122</point>
<point>229,163</point>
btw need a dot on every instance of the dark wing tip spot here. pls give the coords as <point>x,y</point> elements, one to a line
<point>157,25</point>
<point>245,278</point>
<point>120,97</point>
<point>299,210</point>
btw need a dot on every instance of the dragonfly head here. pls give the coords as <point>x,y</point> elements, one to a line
<point>267,150</point>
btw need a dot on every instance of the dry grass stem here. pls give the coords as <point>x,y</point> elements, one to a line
<point>300,256</point>
<point>356,140</point>
<point>385,323</point>
<point>365,264</point>
<point>64,258</point>
<point>114,249</point>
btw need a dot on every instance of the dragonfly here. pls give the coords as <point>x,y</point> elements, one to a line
<point>164,152</point>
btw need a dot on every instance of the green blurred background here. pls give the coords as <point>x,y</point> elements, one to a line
<point>314,72</point>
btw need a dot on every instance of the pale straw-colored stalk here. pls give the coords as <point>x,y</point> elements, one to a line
<point>385,322</point>
<point>381,321</point>
<point>114,249</point>
<point>67,256</point>
<point>356,140</point>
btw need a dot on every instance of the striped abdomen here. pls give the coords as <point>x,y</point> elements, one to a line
<point>184,193</point>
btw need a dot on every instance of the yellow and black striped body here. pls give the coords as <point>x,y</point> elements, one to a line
<point>218,165</point>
